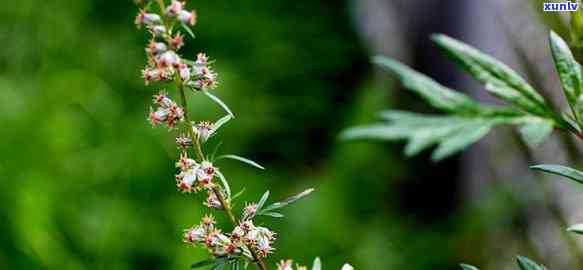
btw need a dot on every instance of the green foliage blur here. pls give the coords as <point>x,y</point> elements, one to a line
<point>86,183</point>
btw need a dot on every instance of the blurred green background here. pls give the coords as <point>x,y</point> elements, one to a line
<point>86,183</point>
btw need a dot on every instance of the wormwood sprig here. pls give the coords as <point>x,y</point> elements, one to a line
<point>245,242</point>
<point>467,121</point>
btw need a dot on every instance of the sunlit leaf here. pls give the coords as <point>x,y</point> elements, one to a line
<point>347,267</point>
<point>468,267</point>
<point>577,228</point>
<point>568,69</point>
<point>272,214</point>
<point>463,137</point>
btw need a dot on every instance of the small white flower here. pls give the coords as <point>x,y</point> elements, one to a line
<point>187,17</point>
<point>174,8</point>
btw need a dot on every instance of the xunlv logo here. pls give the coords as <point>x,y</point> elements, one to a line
<point>565,6</point>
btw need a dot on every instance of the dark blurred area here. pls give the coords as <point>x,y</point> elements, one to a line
<point>86,183</point>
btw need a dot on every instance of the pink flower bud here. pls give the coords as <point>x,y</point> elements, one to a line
<point>213,202</point>
<point>177,41</point>
<point>144,18</point>
<point>249,211</point>
<point>201,59</point>
<point>157,30</point>
<point>168,59</point>
<point>155,48</point>
<point>187,17</point>
<point>184,71</point>
<point>174,8</point>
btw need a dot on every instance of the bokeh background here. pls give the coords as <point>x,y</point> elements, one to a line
<point>86,183</point>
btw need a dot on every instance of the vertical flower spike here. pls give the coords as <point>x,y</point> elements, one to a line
<point>246,242</point>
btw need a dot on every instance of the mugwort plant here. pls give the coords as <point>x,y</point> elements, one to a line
<point>244,242</point>
<point>466,121</point>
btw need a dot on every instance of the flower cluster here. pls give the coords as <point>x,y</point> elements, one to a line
<point>166,111</point>
<point>164,63</point>
<point>238,242</point>
<point>194,176</point>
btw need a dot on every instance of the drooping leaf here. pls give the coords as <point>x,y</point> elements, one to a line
<point>288,201</point>
<point>498,78</point>
<point>219,123</point>
<point>242,159</point>
<point>536,131</point>
<point>219,102</point>
<point>564,171</point>
<point>526,264</point>
<point>568,69</point>
<point>577,228</point>
<point>468,267</point>
<point>317,265</point>
<point>238,194</point>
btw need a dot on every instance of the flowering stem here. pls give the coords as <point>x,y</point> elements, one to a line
<point>229,211</point>
<point>198,150</point>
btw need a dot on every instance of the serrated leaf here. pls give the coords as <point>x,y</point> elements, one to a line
<point>526,264</point>
<point>568,69</point>
<point>288,201</point>
<point>219,102</point>
<point>225,183</point>
<point>468,267</point>
<point>464,137</point>
<point>564,171</point>
<point>535,132</point>
<point>272,214</point>
<point>242,159</point>
<point>262,200</point>
<point>317,265</point>
<point>577,228</point>
<point>498,78</point>
<point>347,267</point>
<point>437,95</point>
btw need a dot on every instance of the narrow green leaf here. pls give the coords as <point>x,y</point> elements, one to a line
<point>188,30</point>
<point>498,78</point>
<point>464,137</point>
<point>262,200</point>
<point>567,172</point>
<point>238,194</point>
<point>225,184</point>
<point>219,123</point>
<point>272,214</point>
<point>577,228</point>
<point>526,264</point>
<point>317,265</point>
<point>568,69</point>
<point>219,102</point>
<point>437,95</point>
<point>289,200</point>
<point>468,267</point>
<point>536,131</point>
<point>242,159</point>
